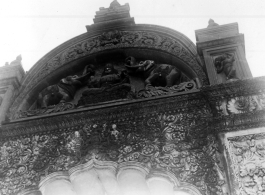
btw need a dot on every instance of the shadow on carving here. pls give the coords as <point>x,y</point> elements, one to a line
<point>114,81</point>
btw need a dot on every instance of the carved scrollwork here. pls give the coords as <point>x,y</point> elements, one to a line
<point>158,91</point>
<point>111,40</point>
<point>165,141</point>
<point>63,106</point>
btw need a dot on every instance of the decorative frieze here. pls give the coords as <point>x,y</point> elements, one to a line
<point>169,135</point>
<point>125,111</point>
<point>236,97</point>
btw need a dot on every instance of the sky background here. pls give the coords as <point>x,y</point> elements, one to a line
<point>32,28</point>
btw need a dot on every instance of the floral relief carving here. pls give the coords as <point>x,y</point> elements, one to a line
<point>248,163</point>
<point>160,141</point>
<point>158,91</point>
<point>241,104</point>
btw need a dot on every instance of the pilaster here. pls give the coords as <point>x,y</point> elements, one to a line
<point>110,18</point>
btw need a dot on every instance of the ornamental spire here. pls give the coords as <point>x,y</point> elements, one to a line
<point>113,16</point>
<point>114,4</point>
<point>211,23</point>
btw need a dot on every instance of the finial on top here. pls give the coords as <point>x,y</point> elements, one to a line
<point>114,4</point>
<point>17,61</point>
<point>211,23</point>
<point>19,58</point>
<point>114,15</point>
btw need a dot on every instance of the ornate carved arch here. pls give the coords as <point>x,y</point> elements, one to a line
<point>138,37</point>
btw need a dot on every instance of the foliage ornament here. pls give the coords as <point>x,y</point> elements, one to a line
<point>107,41</point>
<point>164,141</point>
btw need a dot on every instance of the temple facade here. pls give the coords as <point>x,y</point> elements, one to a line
<point>128,109</point>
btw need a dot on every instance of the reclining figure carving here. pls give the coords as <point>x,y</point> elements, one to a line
<point>163,75</point>
<point>65,90</point>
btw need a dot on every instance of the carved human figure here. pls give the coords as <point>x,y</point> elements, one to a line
<point>65,90</point>
<point>110,77</point>
<point>111,85</point>
<point>163,75</point>
<point>225,64</point>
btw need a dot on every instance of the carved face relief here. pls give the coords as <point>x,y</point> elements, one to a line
<point>247,153</point>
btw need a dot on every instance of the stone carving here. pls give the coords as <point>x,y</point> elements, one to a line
<point>177,103</point>
<point>65,90</point>
<point>110,86</point>
<point>247,154</point>
<point>236,98</point>
<point>160,79</point>
<point>241,104</point>
<point>121,39</point>
<point>223,98</point>
<point>109,77</point>
<point>158,91</point>
<point>110,38</point>
<point>225,64</point>
<point>163,75</point>
<point>113,83</point>
<point>60,107</point>
<point>164,141</point>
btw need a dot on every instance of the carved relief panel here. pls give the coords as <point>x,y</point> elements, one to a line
<point>87,46</point>
<point>224,64</point>
<point>225,67</point>
<point>223,49</point>
<point>111,81</point>
<point>245,157</point>
<point>170,134</point>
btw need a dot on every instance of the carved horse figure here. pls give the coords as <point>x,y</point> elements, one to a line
<point>65,90</point>
<point>163,75</point>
